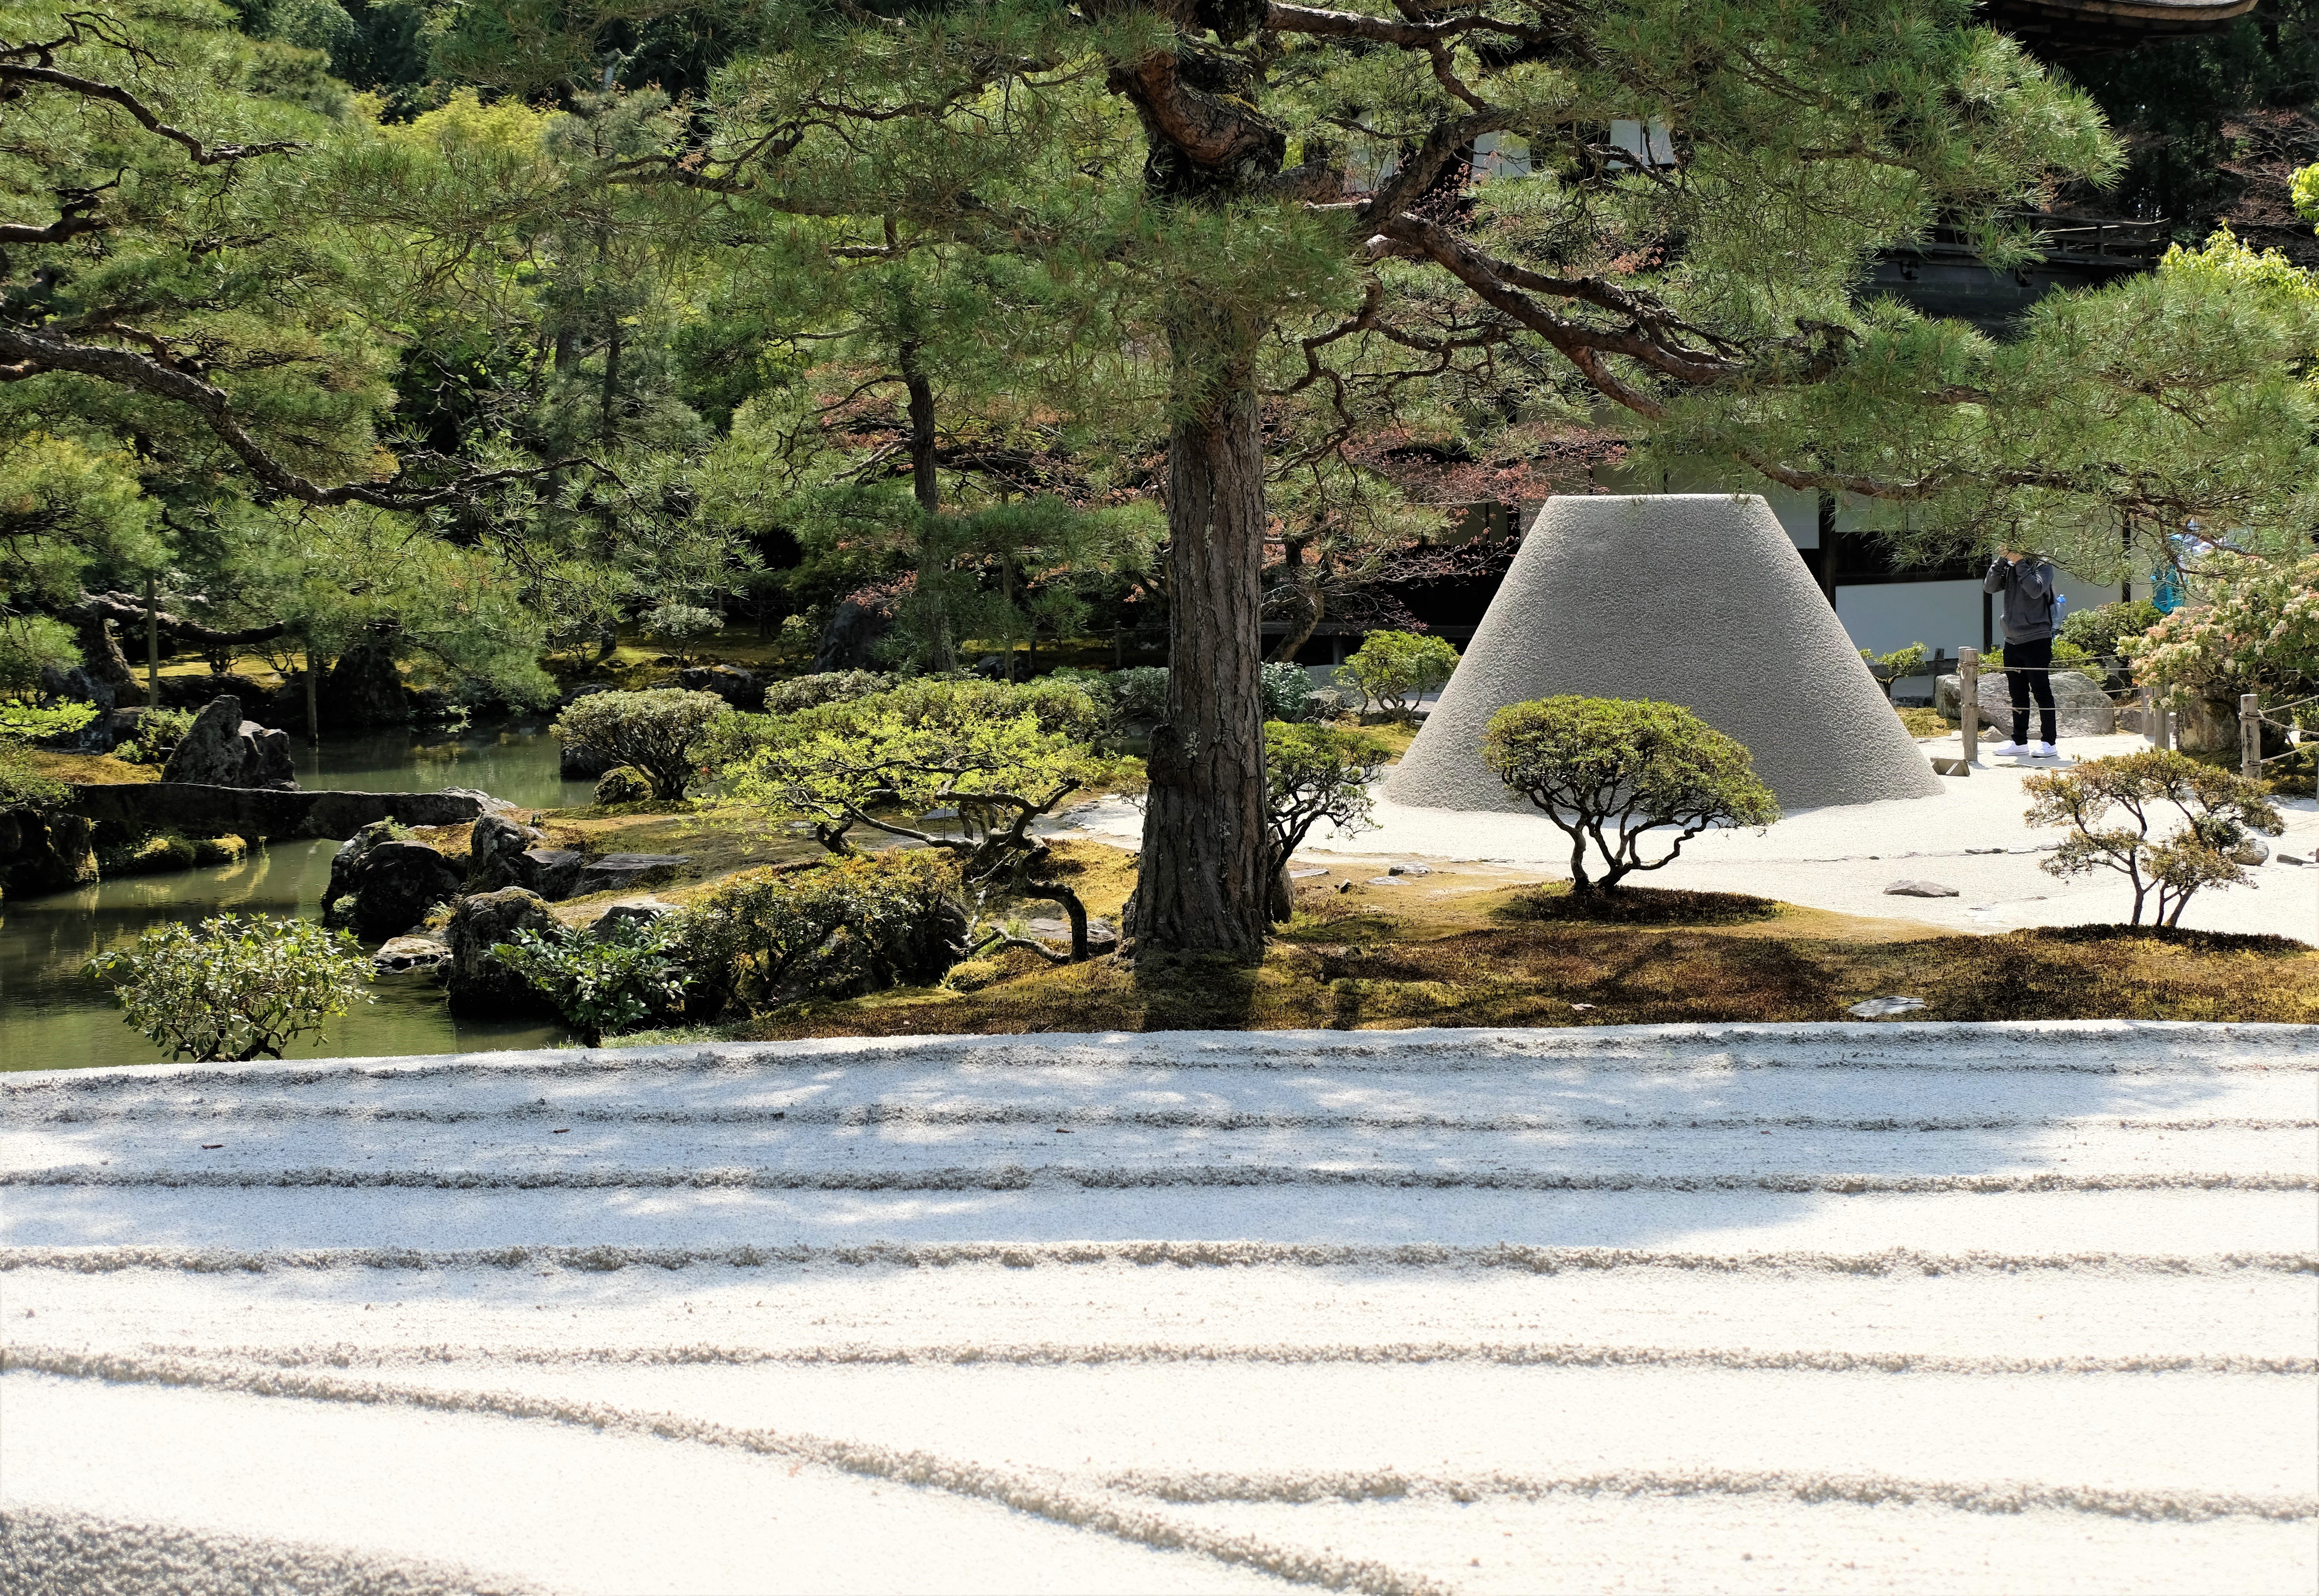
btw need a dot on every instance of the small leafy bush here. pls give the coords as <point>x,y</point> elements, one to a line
<point>618,977</point>
<point>803,692</point>
<point>1609,771</point>
<point>655,732</point>
<point>1140,694</point>
<point>158,733</point>
<point>852,924</point>
<point>235,988</point>
<point>623,784</point>
<point>1287,691</point>
<point>21,719</point>
<point>1392,671</point>
<point>2216,810</point>
<point>2105,630</point>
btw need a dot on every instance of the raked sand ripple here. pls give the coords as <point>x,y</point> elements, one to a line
<point>1884,1307</point>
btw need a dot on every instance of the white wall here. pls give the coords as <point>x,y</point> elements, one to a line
<point>1943,616</point>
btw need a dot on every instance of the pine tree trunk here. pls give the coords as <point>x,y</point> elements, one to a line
<point>925,486</point>
<point>1204,884</point>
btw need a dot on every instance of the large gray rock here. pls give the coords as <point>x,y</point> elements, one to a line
<point>389,888</point>
<point>197,810</point>
<point>1671,597</point>
<point>616,872</point>
<point>495,853</point>
<point>554,873</point>
<point>477,982</point>
<point>222,749</point>
<point>364,690</point>
<point>2081,709</point>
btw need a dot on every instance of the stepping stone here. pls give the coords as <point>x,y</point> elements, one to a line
<point>1919,889</point>
<point>1877,1008</point>
<point>401,953</point>
<point>1318,869</point>
<point>616,870</point>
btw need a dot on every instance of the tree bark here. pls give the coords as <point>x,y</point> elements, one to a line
<point>1204,884</point>
<point>941,649</point>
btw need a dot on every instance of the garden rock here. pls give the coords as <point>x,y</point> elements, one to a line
<point>495,853</point>
<point>647,911</point>
<point>615,871</point>
<point>2081,709</point>
<point>477,982</point>
<point>852,638</point>
<point>393,885</point>
<point>220,749</point>
<point>580,763</point>
<point>1919,889</point>
<point>623,784</point>
<point>192,692</point>
<point>363,689</point>
<point>41,851</point>
<point>400,955</point>
<point>553,872</point>
<point>1877,1008</point>
<point>2252,851</point>
<point>735,686</point>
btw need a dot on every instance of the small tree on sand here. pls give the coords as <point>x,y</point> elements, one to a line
<point>1394,670</point>
<point>1314,773</point>
<point>2216,809</point>
<point>965,767</point>
<point>1608,772</point>
<point>235,988</point>
<point>655,732</point>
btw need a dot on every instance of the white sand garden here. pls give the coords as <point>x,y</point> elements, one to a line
<point>1882,1307</point>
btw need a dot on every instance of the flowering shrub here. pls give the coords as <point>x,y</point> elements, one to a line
<point>2257,631</point>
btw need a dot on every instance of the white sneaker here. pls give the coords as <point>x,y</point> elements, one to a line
<point>2044,751</point>
<point>2010,747</point>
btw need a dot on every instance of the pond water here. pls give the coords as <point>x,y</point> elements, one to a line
<point>52,1016</point>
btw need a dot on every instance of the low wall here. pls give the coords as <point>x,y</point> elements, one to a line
<point>198,810</point>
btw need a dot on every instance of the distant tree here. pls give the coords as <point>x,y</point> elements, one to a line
<point>1315,773</point>
<point>1610,772</point>
<point>1392,671</point>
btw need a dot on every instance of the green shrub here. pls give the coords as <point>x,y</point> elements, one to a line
<point>1626,767</point>
<point>855,924</point>
<point>235,988</point>
<point>655,732</point>
<point>1287,691</point>
<point>158,733</point>
<point>803,692</point>
<point>964,766</point>
<point>1392,671</point>
<point>623,784</point>
<point>22,786</point>
<point>1891,669</point>
<point>615,978</point>
<point>2218,809</point>
<point>1314,773</point>
<point>34,721</point>
<point>2104,630</point>
<point>1140,694</point>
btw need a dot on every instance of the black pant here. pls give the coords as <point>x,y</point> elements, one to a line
<point>2029,673</point>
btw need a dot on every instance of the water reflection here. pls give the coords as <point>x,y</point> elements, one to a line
<point>51,1016</point>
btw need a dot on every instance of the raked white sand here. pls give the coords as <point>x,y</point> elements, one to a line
<point>1878,1307</point>
<point>1970,837</point>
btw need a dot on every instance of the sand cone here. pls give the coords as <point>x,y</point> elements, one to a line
<point>1692,598</point>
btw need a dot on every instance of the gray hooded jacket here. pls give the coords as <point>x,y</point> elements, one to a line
<point>2028,589</point>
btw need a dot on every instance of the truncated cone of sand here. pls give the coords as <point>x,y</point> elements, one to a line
<point>1692,599</point>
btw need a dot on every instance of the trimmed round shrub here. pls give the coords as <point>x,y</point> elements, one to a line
<point>623,784</point>
<point>1610,772</point>
<point>1392,671</point>
<point>655,732</point>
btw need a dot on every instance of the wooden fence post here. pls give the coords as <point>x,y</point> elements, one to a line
<point>2249,736</point>
<point>1969,701</point>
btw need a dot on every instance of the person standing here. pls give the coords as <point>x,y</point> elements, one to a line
<point>2031,604</point>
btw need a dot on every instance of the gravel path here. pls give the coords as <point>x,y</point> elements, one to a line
<point>1878,1307</point>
